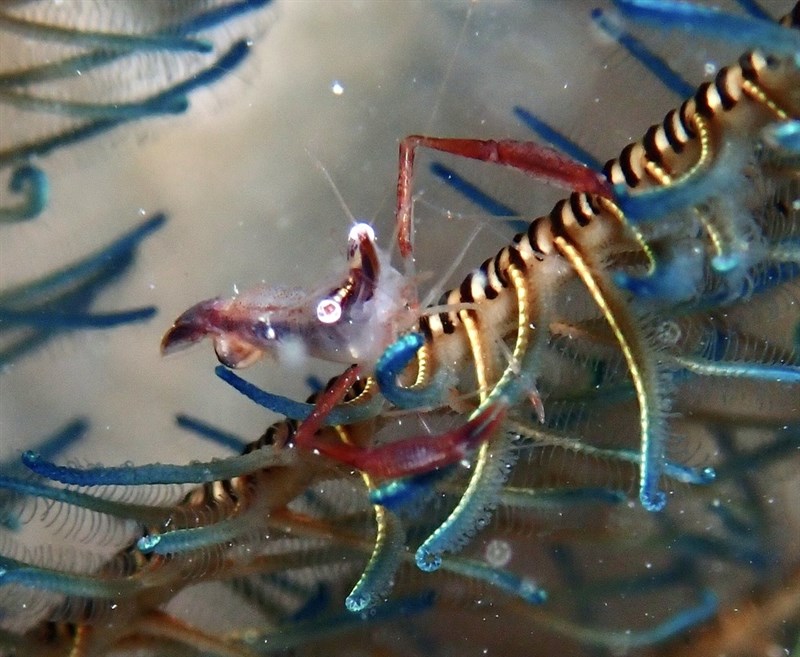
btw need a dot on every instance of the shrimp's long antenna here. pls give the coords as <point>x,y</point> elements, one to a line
<point>321,168</point>
<point>450,64</point>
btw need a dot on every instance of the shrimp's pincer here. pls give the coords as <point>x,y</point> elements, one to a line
<point>351,322</point>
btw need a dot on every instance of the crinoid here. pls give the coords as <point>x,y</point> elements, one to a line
<point>586,447</point>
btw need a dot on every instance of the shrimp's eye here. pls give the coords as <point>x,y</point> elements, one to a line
<point>329,311</point>
<point>264,330</point>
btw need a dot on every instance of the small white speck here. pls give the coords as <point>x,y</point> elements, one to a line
<point>498,553</point>
<point>337,88</point>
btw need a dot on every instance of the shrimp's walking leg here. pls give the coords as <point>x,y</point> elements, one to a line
<point>529,157</point>
<point>324,405</point>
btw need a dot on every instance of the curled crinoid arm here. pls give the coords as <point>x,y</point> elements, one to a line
<point>349,321</point>
<point>30,182</point>
<point>379,574</point>
<point>422,393</point>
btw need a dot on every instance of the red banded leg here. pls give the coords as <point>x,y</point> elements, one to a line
<point>538,161</point>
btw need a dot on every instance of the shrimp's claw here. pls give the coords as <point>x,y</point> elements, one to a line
<point>192,326</point>
<point>208,318</point>
<point>418,455</point>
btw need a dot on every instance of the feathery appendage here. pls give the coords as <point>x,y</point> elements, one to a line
<point>95,71</point>
<point>618,579</point>
<point>37,311</point>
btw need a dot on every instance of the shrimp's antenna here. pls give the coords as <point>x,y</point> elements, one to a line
<point>321,168</point>
<point>449,70</point>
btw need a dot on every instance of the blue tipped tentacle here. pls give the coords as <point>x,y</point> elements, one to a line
<point>557,139</point>
<point>740,463</point>
<point>297,634</point>
<point>341,414</point>
<point>476,195</point>
<point>51,446</point>
<point>59,301</point>
<point>627,639</point>
<point>217,16</point>
<point>47,579</point>
<point>557,498</point>
<point>32,182</point>
<point>732,522</point>
<point>707,546</point>
<point>226,62</point>
<point>67,68</point>
<point>784,138</point>
<point>142,513</point>
<point>506,581</point>
<point>158,473</point>
<point>392,363</point>
<point>314,383</point>
<point>679,622</point>
<point>747,31</point>
<point>65,280</point>
<point>676,277</point>
<point>378,576</point>
<point>399,494</point>
<point>696,476</point>
<point>54,445</point>
<point>754,9</point>
<point>779,373</point>
<point>67,320</point>
<point>188,539</point>
<point>214,434</point>
<point>105,40</point>
<point>658,202</point>
<point>96,111</point>
<point>652,62</point>
<point>726,353</point>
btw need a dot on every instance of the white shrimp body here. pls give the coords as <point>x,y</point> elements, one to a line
<point>350,322</point>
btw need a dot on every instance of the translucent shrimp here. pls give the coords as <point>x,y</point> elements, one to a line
<point>353,321</point>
